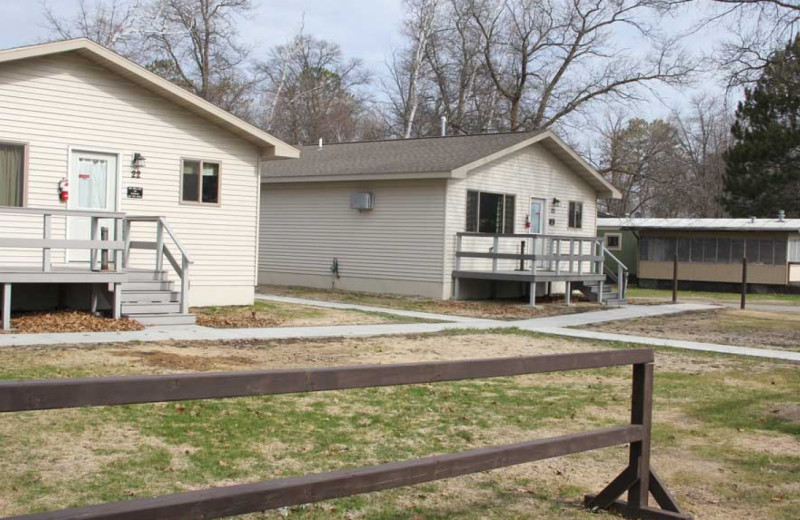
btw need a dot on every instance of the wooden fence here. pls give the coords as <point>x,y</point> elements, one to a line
<point>638,480</point>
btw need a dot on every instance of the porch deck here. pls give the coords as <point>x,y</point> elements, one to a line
<point>532,259</point>
<point>149,295</point>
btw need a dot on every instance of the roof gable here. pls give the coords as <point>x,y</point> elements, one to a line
<point>270,145</point>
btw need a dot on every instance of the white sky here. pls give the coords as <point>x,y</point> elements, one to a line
<point>366,29</point>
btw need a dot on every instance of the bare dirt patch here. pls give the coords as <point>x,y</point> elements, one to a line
<point>513,309</point>
<point>728,327</point>
<point>177,361</point>
<point>67,321</point>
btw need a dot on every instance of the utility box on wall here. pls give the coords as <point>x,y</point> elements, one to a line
<point>362,201</point>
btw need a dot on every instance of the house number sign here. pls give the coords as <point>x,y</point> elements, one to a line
<point>135,192</point>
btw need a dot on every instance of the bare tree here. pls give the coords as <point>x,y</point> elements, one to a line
<point>755,28</point>
<point>406,67</point>
<point>312,92</point>
<point>703,136</point>
<point>116,24</point>
<point>549,59</point>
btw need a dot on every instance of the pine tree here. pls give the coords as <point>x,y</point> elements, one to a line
<point>763,165</point>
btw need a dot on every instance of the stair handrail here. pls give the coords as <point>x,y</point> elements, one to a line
<point>622,273</point>
<point>162,251</point>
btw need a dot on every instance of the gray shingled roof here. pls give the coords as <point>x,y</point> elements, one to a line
<point>397,156</point>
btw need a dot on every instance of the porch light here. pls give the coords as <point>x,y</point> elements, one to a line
<point>138,160</point>
<point>556,202</point>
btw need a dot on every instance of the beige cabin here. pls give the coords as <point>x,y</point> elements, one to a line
<point>461,216</point>
<point>91,141</point>
<point>710,251</point>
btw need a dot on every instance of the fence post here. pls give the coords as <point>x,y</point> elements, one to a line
<point>743,303</point>
<point>47,234</point>
<point>675,278</point>
<point>641,414</point>
<point>522,252</point>
<point>159,245</point>
<point>6,306</point>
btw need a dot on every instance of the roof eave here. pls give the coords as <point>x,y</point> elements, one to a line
<point>294,179</point>
<point>271,146</point>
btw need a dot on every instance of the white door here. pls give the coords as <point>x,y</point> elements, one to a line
<point>537,227</point>
<point>92,186</point>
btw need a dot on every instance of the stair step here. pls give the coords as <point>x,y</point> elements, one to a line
<point>165,319</point>
<point>134,309</point>
<point>152,285</point>
<point>617,302</point>
<point>149,296</point>
<point>147,276</point>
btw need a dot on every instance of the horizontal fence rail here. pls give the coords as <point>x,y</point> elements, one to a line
<point>638,480</point>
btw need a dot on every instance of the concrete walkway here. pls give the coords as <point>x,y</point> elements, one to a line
<point>554,325</point>
<point>782,355</point>
<point>615,314</point>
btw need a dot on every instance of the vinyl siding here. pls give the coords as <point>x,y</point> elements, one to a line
<point>532,172</point>
<point>59,102</point>
<point>396,246</point>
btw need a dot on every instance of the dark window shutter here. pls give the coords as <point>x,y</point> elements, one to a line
<point>472,211</point>
<point>508,225</point>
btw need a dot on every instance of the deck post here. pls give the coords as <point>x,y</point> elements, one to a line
<point>568,294</point>
<point>94,299</point>
<point>533,294</point>
<point>95,232</point>
<point>159,245</point>
<point>571,253</point>
<point>119,231</point>
<point>184,285</point>
<point>495,252</point>
<point>126,234</point>
<point>6,306</point>
<point>558,256</point>
<point>47,234</point>
<point>117,308</point>
<point>456,289</point>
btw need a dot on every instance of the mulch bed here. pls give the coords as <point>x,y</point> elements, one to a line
<point>68,321</point>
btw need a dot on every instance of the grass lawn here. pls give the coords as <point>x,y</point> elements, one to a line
<point>514,309</point>
<point>636,293</point>
<point>277,314</point>
<point>726,326</point>
<point>726,433</point>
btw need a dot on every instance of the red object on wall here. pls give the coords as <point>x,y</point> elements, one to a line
<point>63,190</point>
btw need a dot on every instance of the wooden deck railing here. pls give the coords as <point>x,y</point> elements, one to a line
<point>47,243</point>
<point>559,254</point>
<point>638,479</point>
<point>162,251</point>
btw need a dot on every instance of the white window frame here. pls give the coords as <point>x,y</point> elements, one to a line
<point>619,241</point>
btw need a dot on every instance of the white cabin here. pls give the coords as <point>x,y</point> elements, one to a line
<point>90,140</point>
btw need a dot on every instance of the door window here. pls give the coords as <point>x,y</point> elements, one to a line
<point>537,211</point>
<point>92,185</point>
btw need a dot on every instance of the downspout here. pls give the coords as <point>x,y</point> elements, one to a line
<point>258,216</point>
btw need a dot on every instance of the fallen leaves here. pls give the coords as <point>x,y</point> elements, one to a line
<point>68,321</point>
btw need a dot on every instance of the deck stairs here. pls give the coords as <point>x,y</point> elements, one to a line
<point>611,297</point>
<point>151,298</point>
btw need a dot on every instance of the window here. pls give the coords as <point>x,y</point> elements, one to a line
<point>490,212</point>
<point>613,241</point>
<point>656,249</point>
<point>794,250</point>
<point>576,215</point>
<point>12,174</point>
<point>684,249</point>
<point>200,182</point>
